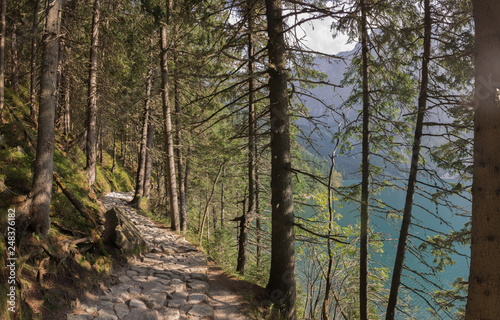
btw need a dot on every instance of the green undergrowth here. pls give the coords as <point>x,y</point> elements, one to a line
<point>53,271</point>
<point>156,215</point>
<point>222,248</point>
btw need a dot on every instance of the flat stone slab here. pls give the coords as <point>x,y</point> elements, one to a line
<point>156,300</point>
<point>176,285</point>
<point>202,311</point>
<point>199,286</point>
<point>132,273</point>
<point>106,305</point>
<point>140,314</point>
<point>121,310</point>
<point>153,286</point>
<point>180,295</point>
<point>111,298</point>
<point>199,276</point>
<point>178,303</point>
<point>170,314</point>
<point>79,317</point>
<point>136,303</point>
<point>106,315</point>
<point>134,290</point>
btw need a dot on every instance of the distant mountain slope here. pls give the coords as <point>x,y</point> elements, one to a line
<point>321,135</point>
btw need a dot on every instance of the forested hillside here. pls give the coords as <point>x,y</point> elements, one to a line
<point>352,185</point>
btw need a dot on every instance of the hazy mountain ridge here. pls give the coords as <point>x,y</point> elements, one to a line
<point>334,96</point>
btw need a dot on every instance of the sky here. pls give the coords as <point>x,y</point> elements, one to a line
<point>318,37</point>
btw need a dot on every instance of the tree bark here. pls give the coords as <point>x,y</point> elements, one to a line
<point>170,178</point>
<point>66,104</point>
<point>124,146</point>
<point>100,140</point>
<point>44,163</point>
<point>222,200</point>
<point>60,72</point>
<point>149,160</point>
<point>365,172</point>
<point>484,279</point>
<point>257,220</point>
<point>187,174</point>
<point>113,166</point>
<point>14,79</point>
<point>159,175</point>
<point>214,217</point>
<point>178,149</point>
<point>209,200</point>
<point>34,35</point>
<point>92,99</point>
<point>2,57</point>
<point>141,161</point>
<point>242,235</point>
<point>412,179</point>
<point>331,210</point>
<point>247,218</point>
<point>281,286</point>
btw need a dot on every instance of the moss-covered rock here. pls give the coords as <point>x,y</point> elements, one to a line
<point>120,231</point>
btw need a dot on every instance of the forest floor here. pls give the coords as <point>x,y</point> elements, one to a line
<point>173,281</point>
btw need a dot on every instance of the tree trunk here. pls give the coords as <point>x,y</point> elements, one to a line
<point>167,128</point>
<point>141,161</point>
<point>365,172</point>
<point>257,219</point>
<point>222,200</point>
<point>92,99</point>
<point>187,174</point>
<point>14,79</point>
<point>208,234</point>
<point>66,105</point>
<point>34,32</point>
<point>214,217</point>
<point>247,218</point>
<point>44,163</point>
<point>60,70</point>
<point>412,179</point>
<point>124,146</point>
<point>149,159</point>
<point>159,175</point>
<point>2,57</point>
<point>113,166</point>
<point>242,236</point>
<point>331,210</point>
<point>281,284</point>
<point>484,279</point>
<point>178,149</point>
<point>101,147</point>
<point>209,200</point>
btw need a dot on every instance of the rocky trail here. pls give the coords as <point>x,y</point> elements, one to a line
<point>171,282</point>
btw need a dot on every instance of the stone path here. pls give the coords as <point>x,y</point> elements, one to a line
<point>168,283</point>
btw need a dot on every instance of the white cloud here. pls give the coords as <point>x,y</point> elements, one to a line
<point>318,37</point>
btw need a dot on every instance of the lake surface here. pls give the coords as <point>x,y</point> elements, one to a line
<point>434,218</point>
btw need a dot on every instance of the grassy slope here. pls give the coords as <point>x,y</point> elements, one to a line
<point>50,271</point>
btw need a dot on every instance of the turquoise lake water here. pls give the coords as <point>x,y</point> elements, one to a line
<point>432,223</point>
